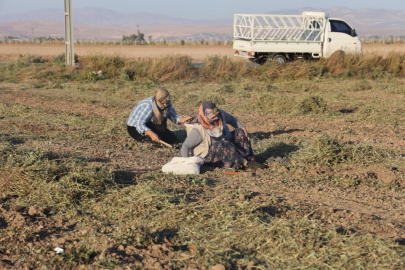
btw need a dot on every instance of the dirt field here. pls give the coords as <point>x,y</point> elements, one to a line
<point>71,177</point>
<point>196,52</point>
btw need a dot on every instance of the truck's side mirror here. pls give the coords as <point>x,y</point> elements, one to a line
<point>353,33</point>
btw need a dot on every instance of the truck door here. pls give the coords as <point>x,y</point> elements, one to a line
<point>340,37</point>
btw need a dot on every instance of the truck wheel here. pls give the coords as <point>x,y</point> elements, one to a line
<point>280,59</point>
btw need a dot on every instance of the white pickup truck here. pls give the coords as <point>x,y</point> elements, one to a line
<point>283,38</point>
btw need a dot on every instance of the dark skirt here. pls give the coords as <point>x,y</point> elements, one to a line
<point>230,154</point>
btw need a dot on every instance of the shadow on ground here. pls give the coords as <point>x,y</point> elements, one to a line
<point>281,150</point>
<point>266,135</point>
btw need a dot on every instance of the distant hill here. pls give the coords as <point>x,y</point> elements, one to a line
<point>105,17</point>
<point>39,28</point>
<point>359,18</point>
<point>104,24</point>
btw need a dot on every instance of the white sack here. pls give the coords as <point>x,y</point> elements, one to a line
<point>180,165</point>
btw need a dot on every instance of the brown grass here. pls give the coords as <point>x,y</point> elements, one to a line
<point>216,69</point>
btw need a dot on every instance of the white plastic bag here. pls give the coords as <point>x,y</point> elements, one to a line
<point>180,165</point>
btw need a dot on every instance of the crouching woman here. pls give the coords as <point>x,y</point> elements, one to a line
<point>212,140</point>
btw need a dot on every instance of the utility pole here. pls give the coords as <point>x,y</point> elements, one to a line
<point>69,41</point>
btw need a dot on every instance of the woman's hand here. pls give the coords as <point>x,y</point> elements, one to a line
<point>246,133</point>
<point>185,119</point>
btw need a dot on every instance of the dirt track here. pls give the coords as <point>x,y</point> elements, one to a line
<point>130,51</point>
<point>196,52</point>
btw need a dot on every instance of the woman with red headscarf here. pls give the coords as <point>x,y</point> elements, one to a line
<point>212,140</point>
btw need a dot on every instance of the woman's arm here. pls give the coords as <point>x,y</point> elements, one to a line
<point>232,120</point>
<point>193,139</point>
<point>175,118</point>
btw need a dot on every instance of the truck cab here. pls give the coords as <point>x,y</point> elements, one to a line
<point>340,36</point>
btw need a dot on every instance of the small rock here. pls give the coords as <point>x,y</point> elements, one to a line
<point>157,266</point>
<point>241,196</point>
<point>218,267</point>
<point>60,241</point>
<point>121,248</point>
<point>250,266</point>
<point>130,250</point>
<point>165,247</point>
<point>34,210</point>
<point>283,169</point>
<point>383,174</point>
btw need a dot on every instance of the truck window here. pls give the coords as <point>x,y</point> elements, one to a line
<point>341,27</point>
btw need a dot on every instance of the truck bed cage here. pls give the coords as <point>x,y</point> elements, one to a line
<point>307,27</point>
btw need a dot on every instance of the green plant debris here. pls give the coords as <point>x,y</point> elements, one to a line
<point>329,132</point>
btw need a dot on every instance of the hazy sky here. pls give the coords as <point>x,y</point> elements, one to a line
<point>196,9</point>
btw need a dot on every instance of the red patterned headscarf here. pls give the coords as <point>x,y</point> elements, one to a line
<point>209,116</point>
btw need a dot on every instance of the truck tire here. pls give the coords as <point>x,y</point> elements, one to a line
<point>280,59</point>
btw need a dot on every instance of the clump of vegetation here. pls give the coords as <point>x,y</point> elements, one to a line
<point>370,65</point>
<point>362,86</point>
<point>227,89</point>
<point>109,66</point>
<point>313,104</point>
<point>171,68</point>
<point>269,102</point>
<point>81,254</point>
<point>42,179</point>
<point>60,58</point>
<point>136,236</point>
<point>324,151</point>
<point>219,69</point>
<point>127,74</point>
<point>224,69</point>
<point>327,151</point>
<point>35,59</point>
